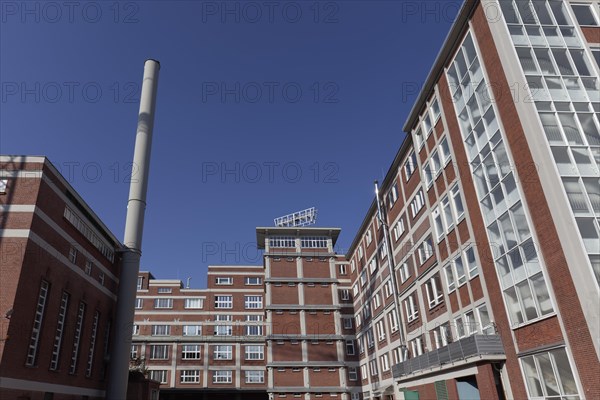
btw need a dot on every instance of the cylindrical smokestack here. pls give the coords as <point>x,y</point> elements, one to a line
<point>134,225</point>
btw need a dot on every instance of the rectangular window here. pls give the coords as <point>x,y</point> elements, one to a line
<point>253,302</point>
<point>88,267</point>
<point>139,303</point>
<point>373,266</point>
<point>393,195</point>
<point>60,329</point>
<point>425,250</point>
<point>159,352</point>
<point>373,367</point>
<point>282,241</point>
<point>385,362</point>
<point>417,203</point>
<point>190,352</point>
<point>450,282</point>
<point>255,352</point>
<point>549,375</point>
<point>3,185</point>
<point>442,335</point>
<point>584,13</point>
<point>193,303</point>
<point>485,324</point>
<point>77,338</point>
<point>223,301</point>
<point>163,290</point>
<point>224,280</point>
<point>163,303</point>
<point>350,347</point>
<point>73,254</point>
<point>457,204</point>
<point>388,288</point>
<point>380,326</point>
<point>223,330</point>
<point>411,165</point>
<point>161,330</point>
<point>190,376</point>
<point>92,348</point>
<point>159,375</point>
<point>192,330</point>
<point>135,330</point>
<point>444,150</point>
<point>255,376</point>
<point>370,338</point>
<point>404,272</point>
<point>416,347</point>
<point>253,280</point>
<point>345,294</point>
<point>399,229</point>
<point>471,262</point>
<point>222,376</point>
<point>411,306</point>
<point>38,319</point>
<point>342,269</point>
<point>352,374</point>
<point>222,352</point>
<point>312,242</point>
<point>433,287</point>
<point>393,320</point>
<point>254,330</point>
<point>140,282</point>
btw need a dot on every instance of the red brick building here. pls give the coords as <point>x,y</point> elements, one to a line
<point>59,272</point>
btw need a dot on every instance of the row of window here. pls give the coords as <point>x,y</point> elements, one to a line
<point>249,280</point>
<point>193,376</point>
<point>309,242</point>
<point>61,323</point>
<point>193,352</point>
<point>222,302</point>
<point>89,266</point>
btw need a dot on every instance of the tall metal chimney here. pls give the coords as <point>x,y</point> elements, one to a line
<point>134,225</point>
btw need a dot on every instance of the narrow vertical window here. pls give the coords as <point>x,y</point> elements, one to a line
<point>60,328</point>
<point>90,362</point>
<point>34,341</point>
<point>77,338</point>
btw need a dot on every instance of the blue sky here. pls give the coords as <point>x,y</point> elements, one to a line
<point>264,108</point>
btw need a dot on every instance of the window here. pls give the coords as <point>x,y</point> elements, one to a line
<point>360,251</point>
<point>404,272</point>
<point>163,303</point>
<point>88,267</point>
<point>253,302</point>
<point>442,335</point>
<point>345,294</point>
<point>363,370</point>
<point>253,280</point>
<point>425,250</point>
<point>255,352</point>
<point>411,306</point>
<point>193,303</point>
<point>139,303</point>
<point>101,278</point>
<point>363,278</point>
<point>223,302</point>
<point>161,330</point>
<point>380,326</point>
<point>392,195</point>
<point>438,224</point>
<point>410,165</point>
<point>429,174</point>
<point>373,367</point>
<point>77,338</point>
<point>417,203</point>
<point>90,234</point>
<point>457,205</point>
<point>370,338</point>
<point>37,324</point>
<point>255,376</point>
<point>355,290</point>
<point>92,348</point>
<point>352,373</point>
<point>222,376</point>
<point>190,352</point>
<point>388,288</point>
<point>350,347</point>
<point>369,236</point>
<point>224,280</point>
<point>253,330</point>
<point>373,266</point>
<point>282,241</point>
<point>3,185</point>
<point>471,262</point>
<point>222,352</point>
<point>393,320</point>
<point>416,347</point>
<point>223,330</point>
<point>585,14</point>
<point>159,352</point>
<point>434,291</point>
<point>549,375</point>
<point>485,324</point>
<point>190,376</point>
<point>163,290</point>
<point>140,282</point>
<point>191,330</point>
<point>73,254</point>
<point>159,375</point>
<point>427,126</point>
<point>435,110</point>
<point>376,301</point>
<point>342,269</point>
<point>399,229</point>
<point>60,328</point>
<point>385,362</point>
<point>444,151</point>
<point>312,242</point>
<point>135,330</point>
<point>450,281</point>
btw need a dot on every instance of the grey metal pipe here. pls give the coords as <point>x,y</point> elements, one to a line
<point>134,226</point>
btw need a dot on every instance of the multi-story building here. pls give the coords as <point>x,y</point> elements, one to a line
<point>59,273</point>
<point>492,204</point>
<point>311,348</point>
<point>203,342</point>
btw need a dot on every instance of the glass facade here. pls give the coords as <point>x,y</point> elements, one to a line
<point>564,85</point>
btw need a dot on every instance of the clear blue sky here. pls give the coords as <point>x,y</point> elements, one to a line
<point>302,102</point>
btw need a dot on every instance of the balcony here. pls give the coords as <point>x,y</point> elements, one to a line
<point>479,346</point>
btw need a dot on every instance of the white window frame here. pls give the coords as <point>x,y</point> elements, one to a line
<point>404,272</point>
<point>139,303</point>
<point>38,319</point>
<point>163,303</point>
<point>222,376</point>
<point>161,330</point>
<point>222,352</point>
<point>253,302</point>
<point>435,294</point>
<point>189,376</point>
<point>191,352</point>
<point>411,306</point>
<point>60,328</point>
<point>224,302</point>
<point>253,281</point>
<point>393,320</point>
<point>196,330</point>
<point>159,352</point>
<point>254,352</point>
<point>254,376</point>
<point>193,303</point>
